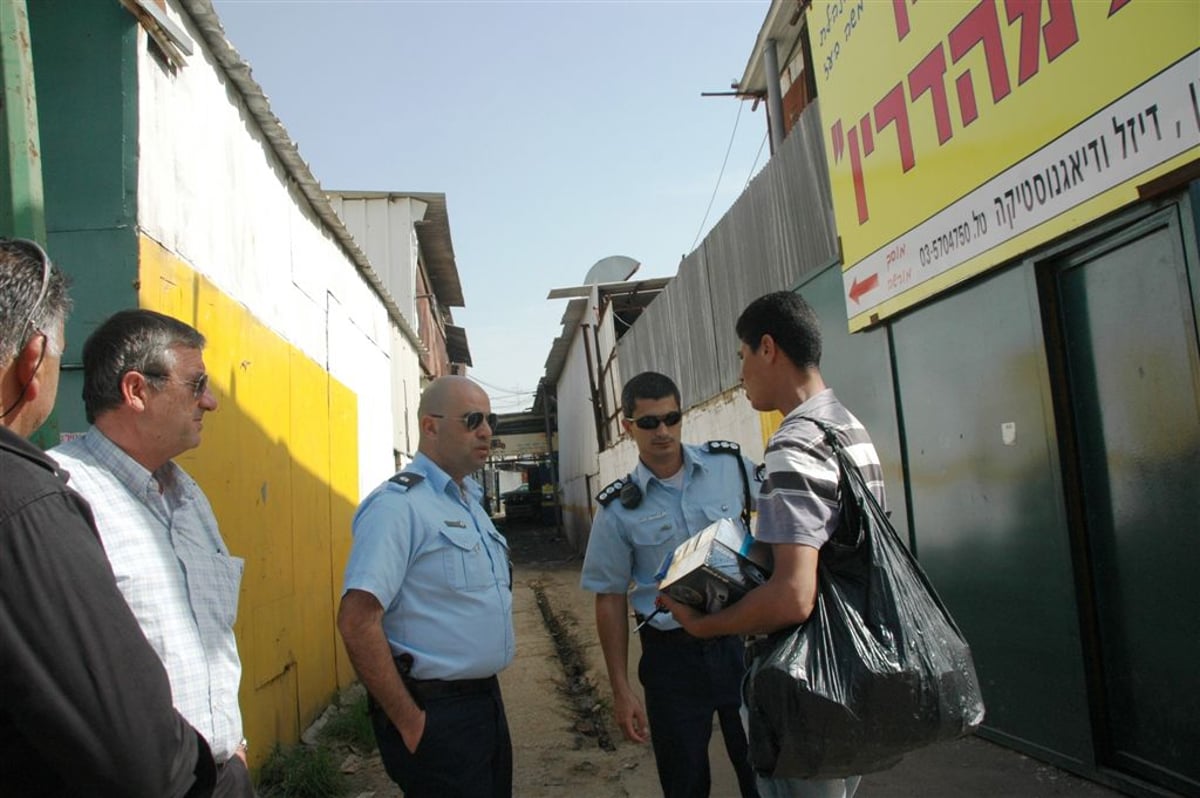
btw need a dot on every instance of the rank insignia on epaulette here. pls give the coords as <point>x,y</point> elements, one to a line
<point>407,479</point>
<point>724,447</point>
<point>610,491</point>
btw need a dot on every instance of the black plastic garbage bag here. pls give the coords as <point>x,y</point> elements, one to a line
<point>878,669</point>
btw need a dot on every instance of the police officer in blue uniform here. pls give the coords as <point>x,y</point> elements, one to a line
<point>674,492</point>
<point>427,610</point>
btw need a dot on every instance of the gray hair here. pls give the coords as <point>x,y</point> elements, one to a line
<point>130,340</point>
<point>33,297</point>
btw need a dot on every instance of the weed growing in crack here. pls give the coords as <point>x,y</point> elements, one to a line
<point>585,702</point>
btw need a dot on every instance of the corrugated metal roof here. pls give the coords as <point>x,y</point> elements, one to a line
<point>457,350</point>
<point>433,233</point>
<point>205,18</point>
<point>782,24</point>
<point>627,300</point>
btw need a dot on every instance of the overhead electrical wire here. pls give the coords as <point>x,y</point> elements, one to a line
<point>717,187</point>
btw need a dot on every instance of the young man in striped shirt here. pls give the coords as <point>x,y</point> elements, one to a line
<point>798,503</point>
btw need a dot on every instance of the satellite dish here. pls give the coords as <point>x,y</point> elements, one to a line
<point>613,269</point>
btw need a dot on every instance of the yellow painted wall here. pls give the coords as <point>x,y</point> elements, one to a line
<point>279,462</point>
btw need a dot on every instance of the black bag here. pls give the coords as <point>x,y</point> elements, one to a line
<point>878,669</point>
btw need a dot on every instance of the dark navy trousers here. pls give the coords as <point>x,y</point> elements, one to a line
<point>686,681</point>
<point>465,752</point>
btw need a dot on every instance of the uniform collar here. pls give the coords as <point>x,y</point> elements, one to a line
<point>439,480</point>
<point>691,463</point>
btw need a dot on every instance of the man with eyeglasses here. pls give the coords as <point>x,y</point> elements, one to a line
<point>426,612</point>
<point>87,705</point>
<point>674,492</point>
<point>146,392</point>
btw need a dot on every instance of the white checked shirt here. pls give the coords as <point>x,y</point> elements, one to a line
<point>176,574</point>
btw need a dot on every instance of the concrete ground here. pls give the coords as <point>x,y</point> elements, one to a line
<point>556,749</point>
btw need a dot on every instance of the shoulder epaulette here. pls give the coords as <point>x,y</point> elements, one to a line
<point>611,491</point>
<point>407,479</point>
<point>722,447</point>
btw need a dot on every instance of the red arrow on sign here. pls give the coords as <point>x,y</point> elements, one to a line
<point>857,289</point>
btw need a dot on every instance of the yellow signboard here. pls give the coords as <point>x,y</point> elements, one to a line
<point>961,133</point>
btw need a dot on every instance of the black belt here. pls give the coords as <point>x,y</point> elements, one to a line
<point>425,689</point>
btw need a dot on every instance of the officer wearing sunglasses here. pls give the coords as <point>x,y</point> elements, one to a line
<point>427,610</point>
<point>674,491</point>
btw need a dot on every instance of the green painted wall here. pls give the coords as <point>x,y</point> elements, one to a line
<point>988,511</point>
<point>84,57</point>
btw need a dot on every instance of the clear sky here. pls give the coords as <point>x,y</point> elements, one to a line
<point>561,133</point>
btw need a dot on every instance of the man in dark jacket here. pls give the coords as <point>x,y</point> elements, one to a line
<point>87,705</point>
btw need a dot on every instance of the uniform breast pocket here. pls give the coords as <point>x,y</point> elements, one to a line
<point>653,541</point>
<point>465,559</point>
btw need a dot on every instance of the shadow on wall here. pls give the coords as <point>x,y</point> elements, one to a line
<point>279,463</point>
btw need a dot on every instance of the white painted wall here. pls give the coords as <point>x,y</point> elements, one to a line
<point>211,191</point>
<point>577,467</point>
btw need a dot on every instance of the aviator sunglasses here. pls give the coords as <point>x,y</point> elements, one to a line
<point>652,422</point>
<point>474,419</point>
<point>198,385</point>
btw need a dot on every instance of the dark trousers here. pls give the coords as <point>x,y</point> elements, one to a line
<point>686,680</point>
<point>233,780</point>
<point>465,752</point>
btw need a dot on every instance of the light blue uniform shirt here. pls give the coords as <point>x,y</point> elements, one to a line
<point>628,545</point>
<point>440,570</point>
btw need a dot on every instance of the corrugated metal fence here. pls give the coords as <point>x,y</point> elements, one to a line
<point>780,229</point>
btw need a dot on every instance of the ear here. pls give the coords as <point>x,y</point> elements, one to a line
<point>767,348</point>
<point>135,390</point>
<point>627,425</point>
<point>428,426</point>
<point>27,366</point>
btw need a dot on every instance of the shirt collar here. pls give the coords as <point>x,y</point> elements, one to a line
<point>642,475</point>
<point>12,442</point>
<point>439,480</point>
<point>813,403</point>
<point>129,472</point>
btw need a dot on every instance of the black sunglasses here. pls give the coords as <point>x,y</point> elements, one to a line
<point>198,385</point>
<point>652,422</point>
<point>475,418</point>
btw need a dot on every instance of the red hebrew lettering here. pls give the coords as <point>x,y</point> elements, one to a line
<point>930,76</point>
<point>838,140</point>
<point>860,189</point>
<point>1113,7</point>
<point>868,138</point>
<point>1059,34</point>
<point>979,26</point>
<point>892,108</point>
<point>901,12</point>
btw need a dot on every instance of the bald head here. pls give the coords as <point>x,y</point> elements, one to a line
<point>444,391</point>
<point>446,438</point>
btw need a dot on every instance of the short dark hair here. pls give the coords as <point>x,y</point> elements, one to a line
<point>789,320</point>
<point>647,385</point>
<point>130,340</point>
<point>24,309</point>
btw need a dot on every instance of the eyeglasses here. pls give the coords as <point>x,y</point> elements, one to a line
<point>198,385</point>
<point>652,422</point>
<point>475,418</point>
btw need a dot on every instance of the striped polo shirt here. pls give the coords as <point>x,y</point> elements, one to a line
<point>798,501</point>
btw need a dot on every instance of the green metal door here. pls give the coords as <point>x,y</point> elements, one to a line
<point>1129,336</point>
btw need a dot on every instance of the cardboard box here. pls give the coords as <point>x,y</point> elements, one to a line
<point>716,567</point>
